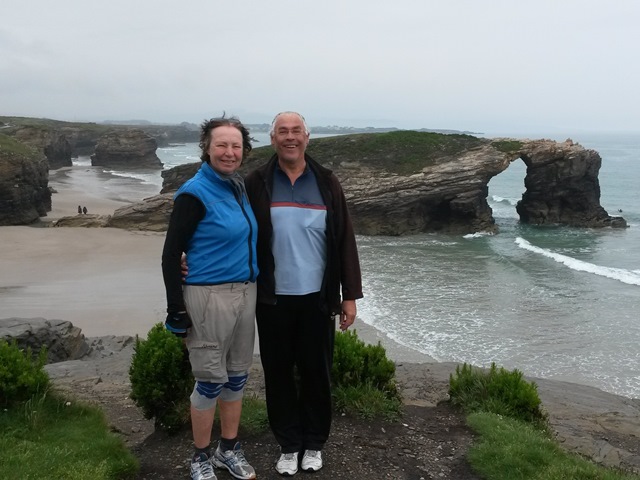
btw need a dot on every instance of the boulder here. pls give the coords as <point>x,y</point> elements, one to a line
<point>88,220</point>
<point>62,340</point>
<point>126,149</point>
<point>24,178</point>
<point>150,214</point>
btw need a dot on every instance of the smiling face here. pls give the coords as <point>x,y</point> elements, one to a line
<point>225,149</point>
<point>290,138</point>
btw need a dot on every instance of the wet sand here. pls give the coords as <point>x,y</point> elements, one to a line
<point>106,281</point>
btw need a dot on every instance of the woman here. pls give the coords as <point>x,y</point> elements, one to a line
<point>213,223</point>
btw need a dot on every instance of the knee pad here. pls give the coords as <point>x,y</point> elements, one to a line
<point>234,388</point>
<point>204,395</point>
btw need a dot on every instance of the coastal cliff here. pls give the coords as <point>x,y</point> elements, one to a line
<point>24,175</point>
<point>65,140</point>
<point>408,182</point>
<point>396,183</point>
<point>51,143</point>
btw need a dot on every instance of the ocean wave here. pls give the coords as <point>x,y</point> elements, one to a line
<point>625,276</point>
<point>508,201</point>
<point>477,235</point>
<point>145,178</point>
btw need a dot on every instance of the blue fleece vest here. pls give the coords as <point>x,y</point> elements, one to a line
<point>223,247</point>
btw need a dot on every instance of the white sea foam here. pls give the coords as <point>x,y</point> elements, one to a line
<point>477,235</point>
<point>509,201</point>
<point>626,276</point>
<point>146,178</point>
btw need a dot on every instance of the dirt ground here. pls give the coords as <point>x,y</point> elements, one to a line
<point>429,442</point>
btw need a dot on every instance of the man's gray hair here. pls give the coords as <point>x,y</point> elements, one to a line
<point>273,123</point>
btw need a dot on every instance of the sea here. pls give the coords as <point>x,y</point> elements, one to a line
<point>553,302</point>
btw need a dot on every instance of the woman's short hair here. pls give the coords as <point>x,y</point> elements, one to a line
<point>208,125</point>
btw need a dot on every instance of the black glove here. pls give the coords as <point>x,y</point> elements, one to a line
<point>178,323</point>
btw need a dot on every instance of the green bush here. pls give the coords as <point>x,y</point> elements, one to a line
<point>364,379</point>
<point>21,376</point>
<point>161,378</point>
<point>356,364</point>
<point>496,391</point>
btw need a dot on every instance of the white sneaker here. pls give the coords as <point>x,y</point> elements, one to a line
<point>201,468</point>
<point>287,464</point>
<point>312,460</point>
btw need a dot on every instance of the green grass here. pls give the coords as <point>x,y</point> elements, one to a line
<point>513,440</point>
<point>510,449</point>
<point>47,437</point>
<point>366,401</point>
<point>254,415</point>
<point>507,146</point>
<point>402,152</point>
<point>10,146</point>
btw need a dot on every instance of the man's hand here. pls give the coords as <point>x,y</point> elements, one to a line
<point>348,314</point>
<point>178,323</point>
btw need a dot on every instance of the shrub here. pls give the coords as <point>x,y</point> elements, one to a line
<point>21,376</point>
<point>364,378</point>
<point>161,378</point>
<point>356,364</point>
<point>496,391</point>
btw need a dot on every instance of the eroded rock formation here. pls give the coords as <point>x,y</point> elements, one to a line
<point>53,144</point>
<point>126,149</point>
<point>151,214</point>
<point>402,183</point>
<point>424,182</point>
<point>62,340</point>
<point>24,177</point>
<point>562,186</point>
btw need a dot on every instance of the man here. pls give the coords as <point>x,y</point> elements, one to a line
<point>307,257</point>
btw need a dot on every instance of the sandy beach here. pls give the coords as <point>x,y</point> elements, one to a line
<point>106,281</point>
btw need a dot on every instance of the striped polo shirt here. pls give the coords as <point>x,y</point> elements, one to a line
<point>299,242</point>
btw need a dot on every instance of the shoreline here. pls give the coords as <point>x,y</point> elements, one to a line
<point>106,281</point>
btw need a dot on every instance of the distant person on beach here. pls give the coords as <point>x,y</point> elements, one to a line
<point>79,209</point>
<point>212,221</point>
<point>84,210</point>
<point>307,257</point>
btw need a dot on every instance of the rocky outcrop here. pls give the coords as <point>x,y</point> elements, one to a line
<point>126,149</point>
<point>562,186</point>
<point>62,340</point>
<point>176,176</point>
<point>24,178</point>
<point>53,144</point>
<point>409,182</point>
<point>446,197</point>
<point>89,220</point>
<point>151,214</point>
<point>83,137</point>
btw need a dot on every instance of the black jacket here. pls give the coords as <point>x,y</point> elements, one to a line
<point>343,265</point>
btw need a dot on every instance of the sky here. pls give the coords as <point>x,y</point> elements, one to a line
<point>481,66</point>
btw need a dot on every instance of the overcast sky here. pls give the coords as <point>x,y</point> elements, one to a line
<point>483,66</point>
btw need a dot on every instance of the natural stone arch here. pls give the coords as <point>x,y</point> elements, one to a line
<point>562,186</point>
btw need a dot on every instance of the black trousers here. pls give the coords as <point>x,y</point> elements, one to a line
<point>296,340</point>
